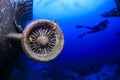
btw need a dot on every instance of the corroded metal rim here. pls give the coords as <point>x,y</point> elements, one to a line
<point>32,36</point>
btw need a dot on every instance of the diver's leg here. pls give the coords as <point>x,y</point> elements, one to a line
<point>82,35</point>
<point>88,27</point>
<point>91,32</point>
<point>79,26</point>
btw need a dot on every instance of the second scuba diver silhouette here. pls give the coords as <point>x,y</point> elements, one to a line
<point>99,27</point>
<point>117,34</point>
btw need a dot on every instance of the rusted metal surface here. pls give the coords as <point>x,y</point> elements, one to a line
<point>6,16</point>
<point>42,40</point>
<point>14,3</point>
<point>7,50</point>
<point>23,13</point>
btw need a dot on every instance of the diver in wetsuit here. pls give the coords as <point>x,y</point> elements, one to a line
<point>118,34</point>
<point>99,27</point>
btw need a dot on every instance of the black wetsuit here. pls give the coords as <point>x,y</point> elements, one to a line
<point>99,27</point>
<point>118,34</point>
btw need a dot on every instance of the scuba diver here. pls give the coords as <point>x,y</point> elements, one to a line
<point>115,12</point>
<point>99,27</point>
<point>118,34</point>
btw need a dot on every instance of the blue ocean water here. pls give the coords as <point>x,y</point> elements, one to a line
<point>100,46</point>
<point>92,57</point>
